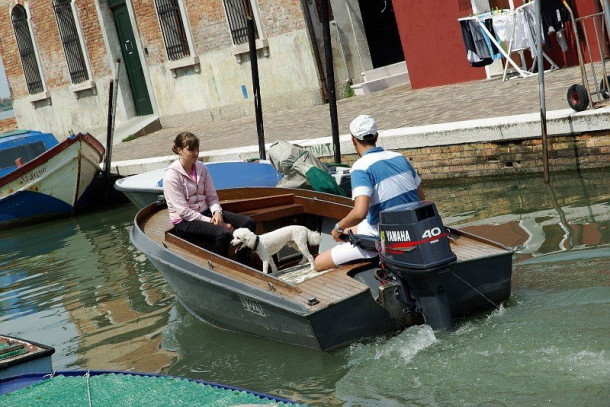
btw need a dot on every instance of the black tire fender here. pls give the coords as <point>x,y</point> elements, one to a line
<point>578,97</point>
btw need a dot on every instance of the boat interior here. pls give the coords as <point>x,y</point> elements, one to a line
<point>272,208</point>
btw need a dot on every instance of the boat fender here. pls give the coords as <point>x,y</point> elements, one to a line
<point>160,202</point>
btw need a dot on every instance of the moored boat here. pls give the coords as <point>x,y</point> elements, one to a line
<point>27,378</point>
<point>430,273</point>
<point>20,357</point>
<point>43,179</point>
<point>143,189</point>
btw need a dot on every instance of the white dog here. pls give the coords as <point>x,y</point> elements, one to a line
<point>268,244</point>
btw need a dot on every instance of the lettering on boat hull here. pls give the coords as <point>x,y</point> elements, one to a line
<point>253,306</point>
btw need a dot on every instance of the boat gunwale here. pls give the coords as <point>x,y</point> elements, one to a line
<point>51,153</point>
<point>44,351</point>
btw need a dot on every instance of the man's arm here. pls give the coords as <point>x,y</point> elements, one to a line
<point>355,216</point>
<point>420,194</point>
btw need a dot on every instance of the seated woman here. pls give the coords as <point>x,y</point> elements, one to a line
<point>192,201</point>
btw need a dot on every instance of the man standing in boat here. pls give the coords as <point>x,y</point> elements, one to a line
<point>380,180</point>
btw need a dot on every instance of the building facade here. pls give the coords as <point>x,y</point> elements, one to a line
<point>179,60</point>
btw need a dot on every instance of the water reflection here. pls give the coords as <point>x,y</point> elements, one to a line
<point>103,305</point>
<point>79,285</point>
<point>533,218</point>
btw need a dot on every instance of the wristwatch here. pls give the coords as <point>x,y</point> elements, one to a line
<point>338,229</point>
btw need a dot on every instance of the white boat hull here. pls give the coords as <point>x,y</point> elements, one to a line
<point>53,184</point>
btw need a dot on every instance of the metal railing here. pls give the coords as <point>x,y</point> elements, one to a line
<point>172,29</point>
<point>26,50</point>
<point>238,23</point>
<point>70,40</point>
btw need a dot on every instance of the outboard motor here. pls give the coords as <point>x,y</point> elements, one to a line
<point>415,249</point>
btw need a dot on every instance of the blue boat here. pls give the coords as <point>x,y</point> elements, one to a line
<point>27,378</point>
<point>143,189</point>
<point>41,177</point>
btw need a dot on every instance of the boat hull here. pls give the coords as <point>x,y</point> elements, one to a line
<point>23,357</point>
<point>143,189</point>
<point>233,305</point>
<point>53,184</point>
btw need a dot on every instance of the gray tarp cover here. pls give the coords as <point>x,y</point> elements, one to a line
<point>293,162</point>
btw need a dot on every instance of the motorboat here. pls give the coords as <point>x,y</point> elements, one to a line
<point>425,273</point>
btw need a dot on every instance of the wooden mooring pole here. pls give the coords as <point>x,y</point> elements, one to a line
<point>112,96</point>
<point>256,90</point>
<point>330,80</point>
<point>545,147</point>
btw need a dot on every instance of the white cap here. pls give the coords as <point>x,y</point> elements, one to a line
<point>363,126</point>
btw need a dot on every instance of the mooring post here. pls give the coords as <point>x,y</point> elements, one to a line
<point>112,96</point>
<point>545,152</point>
<point>330,80</point>
<point>256,90</point>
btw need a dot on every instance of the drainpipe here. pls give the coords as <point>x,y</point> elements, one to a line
<point>316,50</point>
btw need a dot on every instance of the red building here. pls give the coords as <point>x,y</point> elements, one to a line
<point>434,49</point>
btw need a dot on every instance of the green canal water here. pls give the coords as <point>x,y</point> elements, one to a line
<point>79,285</point>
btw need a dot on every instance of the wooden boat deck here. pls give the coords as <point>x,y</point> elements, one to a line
<point>328,287</point>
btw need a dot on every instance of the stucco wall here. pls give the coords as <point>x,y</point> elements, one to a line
<point>209,90</point>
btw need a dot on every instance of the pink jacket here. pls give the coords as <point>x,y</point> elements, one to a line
<point>185,198</point>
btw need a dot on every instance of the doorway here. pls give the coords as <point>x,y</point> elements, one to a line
<point>381,32</point>
<point>131,57</point>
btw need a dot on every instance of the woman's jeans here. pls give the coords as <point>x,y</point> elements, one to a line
<point>218,235</point>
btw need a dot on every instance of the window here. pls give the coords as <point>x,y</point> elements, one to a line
<point>27,52</point>
<point>172,28</point>
<point>71,40</point>
<point>238,23</point>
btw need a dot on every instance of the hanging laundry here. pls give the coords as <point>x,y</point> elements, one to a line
<point>504,29</point>
<point>472,54</point>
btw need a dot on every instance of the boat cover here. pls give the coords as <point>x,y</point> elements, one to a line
<point>301,169</point>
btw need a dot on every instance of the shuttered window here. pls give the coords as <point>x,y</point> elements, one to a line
<point>172,28</point>
<point>27,52</point>
<point>71,41</point>
<point>238,24</point>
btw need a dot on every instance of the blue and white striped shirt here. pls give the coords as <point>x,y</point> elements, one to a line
<point>387,177</point>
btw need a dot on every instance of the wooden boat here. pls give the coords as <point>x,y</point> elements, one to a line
<point>143,189</point>
<point>20,357</point>
<point>45,180</point>
<point>333,308</point>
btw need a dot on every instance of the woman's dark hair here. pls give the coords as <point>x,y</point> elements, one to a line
<point>186,139</point>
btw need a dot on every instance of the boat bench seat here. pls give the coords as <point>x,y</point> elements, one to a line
<point>276,212</point>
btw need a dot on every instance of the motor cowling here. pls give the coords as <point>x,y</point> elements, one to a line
<point>415,248</point>
<point>414,239</point>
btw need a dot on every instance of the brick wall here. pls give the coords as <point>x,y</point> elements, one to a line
<point>46,36</point>
<point>524,156</point>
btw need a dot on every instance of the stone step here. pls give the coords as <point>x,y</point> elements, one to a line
<point>136,126</point>
<point>385,71</point>
<point>380,84</point>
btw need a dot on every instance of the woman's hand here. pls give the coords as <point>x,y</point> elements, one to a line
<point>217,219</point>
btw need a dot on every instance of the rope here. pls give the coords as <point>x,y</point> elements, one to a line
<point>87,375</point>
<point>482,295</point>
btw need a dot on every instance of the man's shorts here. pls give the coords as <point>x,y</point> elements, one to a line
<point>346,252</point>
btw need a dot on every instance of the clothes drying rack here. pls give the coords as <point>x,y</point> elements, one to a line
<point>523,71</point>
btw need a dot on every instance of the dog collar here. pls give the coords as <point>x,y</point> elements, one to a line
<point>255,243</point>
